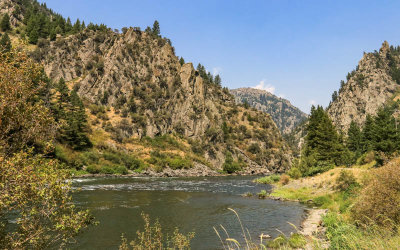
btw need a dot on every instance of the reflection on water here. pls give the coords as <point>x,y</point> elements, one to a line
<point>191,204</point>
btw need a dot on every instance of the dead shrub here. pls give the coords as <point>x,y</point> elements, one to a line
<point>284,179</point>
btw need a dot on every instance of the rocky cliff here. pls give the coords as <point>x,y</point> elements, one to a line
<point>134,87</point>
<point>285,115</point>
<point>369,87</point>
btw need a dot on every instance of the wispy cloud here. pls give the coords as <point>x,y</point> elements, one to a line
<point>216,71</point>
<point>312,102</point>
<point>267,87</point>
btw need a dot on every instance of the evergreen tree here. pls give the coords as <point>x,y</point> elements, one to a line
<point>354,138</point>
<point>334,96</point>
<point>182,61</point>
<point>33,36</point>
<point>386,134</point>
<point>53,35</point>
<point>5,23</point>
<point>368,134</point>
<point>77,26</point>
<point>77,126</point>
<point>68,26</point>
<point>156,28</point>
<point>5,43</point>
<point>354,141</point>
<point>217,80</point>
<point>323,148</point>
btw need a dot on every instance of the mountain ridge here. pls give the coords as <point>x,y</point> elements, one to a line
<point>285,115</point>
<point>134,87</point>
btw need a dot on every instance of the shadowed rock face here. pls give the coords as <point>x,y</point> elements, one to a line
<point>285,115</point>
<point>367,88</point>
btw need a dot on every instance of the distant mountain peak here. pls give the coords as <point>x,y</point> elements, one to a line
<point>283,113</point>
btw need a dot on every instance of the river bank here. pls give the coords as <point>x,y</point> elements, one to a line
<point>334,197</point>
<point>198,170</point>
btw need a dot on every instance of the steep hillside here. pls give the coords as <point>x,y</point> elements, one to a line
<point>375,81</point>
<point>285,115</point>
<point>140,96</point>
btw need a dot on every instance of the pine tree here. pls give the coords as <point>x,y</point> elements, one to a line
<point>217,80</point>
<point>5,43</point>
<point>77,26</point>
<point>156,28</point>
<point>182,61</point>
<point>34,36</point>
<point>354,138</point>
<point>68,26</point>
<point>386,134</point>
<point>323,148</point>
<point>368,134</point>
<point>77,126</point>
<point>5,23</point>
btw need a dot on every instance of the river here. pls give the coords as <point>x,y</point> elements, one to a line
<point>191,204</point>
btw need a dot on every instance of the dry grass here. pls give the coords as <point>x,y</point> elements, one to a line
<point>325,183</point>
<point>379,200</point>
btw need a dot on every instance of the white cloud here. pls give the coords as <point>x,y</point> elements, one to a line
<point>267,87</point>
<point>281,95</point>
<point>312,102</point>
<point>216,71</point>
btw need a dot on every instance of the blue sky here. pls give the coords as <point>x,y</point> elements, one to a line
<point>298,49</point>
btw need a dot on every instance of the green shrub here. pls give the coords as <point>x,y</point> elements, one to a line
<point>346,181</point>
<point>114,158</point>
<point>89,157</point>
<point>294,173</point>
<point>93,169</point>
<point>179,163</point>
<point>262,194</point>
<point>322,201</point>
<point>107,170</point>
<point>120,170</point>
<point>366,158</point>
<point>230,166</point>
<point>297,241</point>
<point>268,179</point>
<point>254,148</point>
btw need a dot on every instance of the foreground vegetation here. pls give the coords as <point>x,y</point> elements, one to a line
<point>152,237</point>
<point>36,211</point>
<point>362,204</point>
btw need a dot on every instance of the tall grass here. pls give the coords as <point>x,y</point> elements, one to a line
<point>296,240</point>
<point>345,235</point>
<point>153,238</point>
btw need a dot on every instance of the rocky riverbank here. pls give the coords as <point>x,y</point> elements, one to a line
<point>198,170</point>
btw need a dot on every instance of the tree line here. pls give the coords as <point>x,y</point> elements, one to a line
<point>326,147</point>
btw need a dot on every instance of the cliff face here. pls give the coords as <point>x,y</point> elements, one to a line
<point>285,115</point>
<point>138,77</point>
<point>367,88</point>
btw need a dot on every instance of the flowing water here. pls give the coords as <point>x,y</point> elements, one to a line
<point>191,204</point>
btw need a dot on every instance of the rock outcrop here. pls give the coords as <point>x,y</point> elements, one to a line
<point>367,88</point>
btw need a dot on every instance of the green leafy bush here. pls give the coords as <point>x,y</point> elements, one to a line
<point>294,173</point>
<point>230,166</point>
<point>93,169</point>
